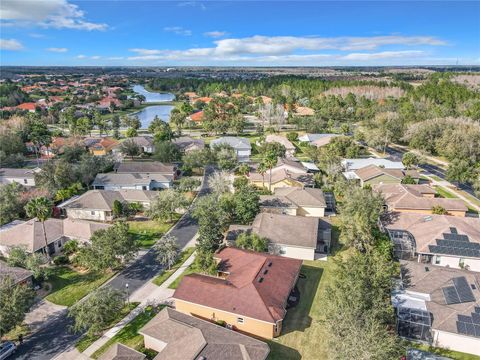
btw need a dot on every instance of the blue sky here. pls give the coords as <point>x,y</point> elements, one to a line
<point>250,33</point>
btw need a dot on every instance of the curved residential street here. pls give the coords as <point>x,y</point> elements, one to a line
<point>53,338</point>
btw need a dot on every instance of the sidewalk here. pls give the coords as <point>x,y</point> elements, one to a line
<point>149,294</point>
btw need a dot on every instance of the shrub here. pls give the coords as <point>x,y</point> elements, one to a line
<point>60,260</point>
<point>70,247</point>
<point>292,136</point>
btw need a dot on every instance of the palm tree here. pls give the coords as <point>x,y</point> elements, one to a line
<point>40,208</point>
<point>270,162</point>
<point>262,169</point>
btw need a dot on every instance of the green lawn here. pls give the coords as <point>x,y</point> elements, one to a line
<point>445,193</point>
<point>86,341</point>
<point>176,282</point>
<point>184,255</point>
<point>69,286</point>
<point>303,335</point>
<point>146,233</point>
<point>129,334</point>
<point>444,352</point>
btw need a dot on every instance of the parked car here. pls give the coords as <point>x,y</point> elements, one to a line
<point>6,349</point>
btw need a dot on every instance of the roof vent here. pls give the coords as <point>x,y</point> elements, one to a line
<point>427,269</point>
<point>265,272</point>
<point>270,264</point>
<point>427,218</point>
<point>260,280</point>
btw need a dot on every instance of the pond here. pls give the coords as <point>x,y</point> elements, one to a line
<point>147,114</point>
<point>153,96</point>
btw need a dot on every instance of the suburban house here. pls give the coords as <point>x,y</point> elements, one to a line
<point>435,239</point>
<point>417,198</point>
<point>17,274</point>
<point>176,336</point>
<point>29,234</point>
<point>25,177</point>
<point>98,204</point>
<point>250,292</point>
<point>139,175</point>
<point>196,117</point>
<point>373,174</point>
<point>295,201</point>
<point>290,148</point>
<point>287,173</point>
<point>439,305</point>
<point>241,146</point>
<point>145,143</point>
<point>100,146</point>
<point>317,140</point>
<point>122,352</point>
<point>187,144</point>
<point>355,164</point>
<point>290,236</point>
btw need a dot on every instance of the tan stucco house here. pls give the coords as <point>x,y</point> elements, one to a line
<point>295,201</point>
<point>249,293</point>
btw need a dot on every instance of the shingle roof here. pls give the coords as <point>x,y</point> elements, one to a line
<point>130,179</point>
<point>306,197</point>
<point>30,233</point>
<point>354,164</point>
<point>401,196</point>
<point>104,199</point>
<point>17,172</point>
<point>373,171</point>
<point>185,142</point>
<point>241,292</point>
<point>281,140</point>
<point>17,274</point>
<point>287,230</point>
<point>427,228</point>
<point>238,143</point>
<point>188,337</point>
<point>121,352</point>
<point>150,167</point>
<point>431,282</point>
<point>281,174</point>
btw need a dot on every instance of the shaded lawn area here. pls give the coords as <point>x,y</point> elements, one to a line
<point>444,193</point>
<point>455,355</point>
<point>69,286</point>
<point>86,340</point>
<point>146,233</point>
<point>184,255</point>
<point>303,335</point>
<point>129,335</point>
<point>176,282</point>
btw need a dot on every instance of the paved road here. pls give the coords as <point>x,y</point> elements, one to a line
<point>54,338</point>
<point>396,155</point>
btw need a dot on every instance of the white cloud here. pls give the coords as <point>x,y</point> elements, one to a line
<point>383,55</point>
<point>192,4</point>
<point>215,34</point>
<point>95,57</point>
<point>37,36</point>
<point>115,58</point>
<point>178,30</point>
<point>10,44</point>
<point>81,56</point>
<point>51,13</point>
<point>145,51</point>
<point>57,50</point>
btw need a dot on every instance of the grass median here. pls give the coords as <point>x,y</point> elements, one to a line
<point>184,255</point>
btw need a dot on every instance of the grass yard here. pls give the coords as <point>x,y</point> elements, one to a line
<point>146,233</point>
<point>184,255</point>
<point>86,341</point>
<point>303,335</point>
<point>129,334</point>
<point>69,286</point>
<point>445,193</point>
<point>176,282</point>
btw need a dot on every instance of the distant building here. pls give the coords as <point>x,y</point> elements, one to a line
<point>374,175</point>
<point>22,176</point>
<point>317,140</point>
<point>241,146</point>
<point>355,164</point>
<point>17,274</point>
<point>187,144</point>
<point>290,148</point>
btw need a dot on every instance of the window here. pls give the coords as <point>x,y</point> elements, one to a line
<point>92,212</point>
<point>438,259</point>
<point>25,181</point>
<point>240,320</point>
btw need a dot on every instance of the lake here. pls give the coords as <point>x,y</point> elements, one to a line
<point>147,114</point>
<point>153,96</point>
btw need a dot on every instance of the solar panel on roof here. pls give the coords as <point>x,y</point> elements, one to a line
<point>475,318</point>
<point>477,309</point>
<point>451,295</point>
<point>463,289</point>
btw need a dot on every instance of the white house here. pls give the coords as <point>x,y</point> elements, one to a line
<point>135,181</point>
<point>241,146</point>
<point>439,305</point>
<point>443,240</point>
<point>355,164</point>
<point>25,177</point>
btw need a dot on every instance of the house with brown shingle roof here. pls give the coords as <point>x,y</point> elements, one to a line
<point>437,239</point>
<point>439,306</point>
<point>177,336</point>
<point>250,292</point>
<point>373,174</point>
<point>29,234</point>
<point>295,201</point>
<point>417,198</point>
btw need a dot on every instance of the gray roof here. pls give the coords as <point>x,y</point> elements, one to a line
<point>307,197</point>
<point>151,167</point>
<point>287,230</point>
<point>17,173</point>
<point>185,142</point>
<point>188,337</point>
<point>130,179</point>
<point>121,352</point>
<point>104,199</point>
<point>355,164</point>
<point>17,274</point>
<point>238,143</point>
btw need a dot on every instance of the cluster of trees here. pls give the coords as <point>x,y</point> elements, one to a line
<point>11,95</point>
<point>221,115</point>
